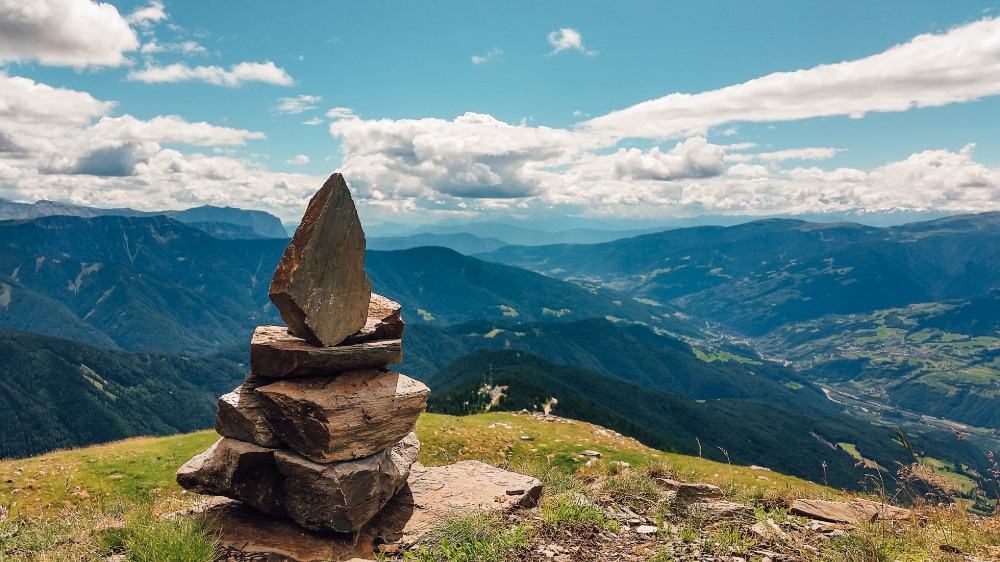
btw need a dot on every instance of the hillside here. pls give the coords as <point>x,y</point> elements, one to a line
<point>55,393</point>
<point>154,284</point>
<point>461,242</point>
<point>230,222</point>
<point>757,276</point>
<point>821,446</point>
<point>91,503</point>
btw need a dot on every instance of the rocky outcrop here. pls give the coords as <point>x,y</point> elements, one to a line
<point>320,287</point>
<point>344,417</point>
<point>276,353</point>
<point>336,497</point>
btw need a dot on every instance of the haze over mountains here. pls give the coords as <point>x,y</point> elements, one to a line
<point>687,317</point>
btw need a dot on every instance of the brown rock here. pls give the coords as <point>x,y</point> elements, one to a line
<point>241,416</point>
<point>435,493</point>
<point>385,321</point>
<point>432,494</point>
<point>690,492</point>
<point>344,496</point>
<point>276,353</point>
<point>236,469</point>
<point>345,417</point>
<point>852,512</point>
<point>338,497</point>
<point>715,510</point>
<point>320,286</point>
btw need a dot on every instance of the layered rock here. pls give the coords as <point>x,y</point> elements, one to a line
<point>344,417</point>
<point>338,497</point>
<point>385,321</point>
<point>431,495</point>
<point>320,286</point>
<point>276,353</point>
<point>241,416</point>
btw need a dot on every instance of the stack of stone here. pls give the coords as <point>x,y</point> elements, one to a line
<point>321,432</point>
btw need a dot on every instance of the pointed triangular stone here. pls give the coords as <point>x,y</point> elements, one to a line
<point>320,286</point>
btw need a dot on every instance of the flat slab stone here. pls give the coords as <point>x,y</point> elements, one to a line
<point>852,512</point>
<point>349,416</point>
<point>385,321</point>
<point>320,286</point>
<point>340,497</point>
<point>432,494</point>
<point>277,354</point>
<point>241,416</point>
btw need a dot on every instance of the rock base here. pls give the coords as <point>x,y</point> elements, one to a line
<point>431,494</point>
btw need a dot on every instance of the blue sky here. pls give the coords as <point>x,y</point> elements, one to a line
<point>534,74</point>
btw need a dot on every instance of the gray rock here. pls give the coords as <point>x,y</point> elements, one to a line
<point>349,416</point>
<point>241,416</point>
<point>344,496</point>
<point>320,286</point>
<point>277,354</point>
<point>385,321</point>
<point>339,497</point>
<point>238,470</point>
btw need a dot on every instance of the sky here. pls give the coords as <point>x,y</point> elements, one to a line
<point>633,111</point>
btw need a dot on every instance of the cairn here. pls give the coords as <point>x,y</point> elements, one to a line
<point>319,437</point>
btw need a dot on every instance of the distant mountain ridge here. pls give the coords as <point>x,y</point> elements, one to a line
<point>155,284</point>
<point>222,222</point>
<point>756,276</point>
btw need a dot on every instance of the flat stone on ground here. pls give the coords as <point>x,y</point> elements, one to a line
<point>349,416</point>
<point>432,493</point>
<point>852,512</point>
<point>320,286</point>
<point>277,354</point>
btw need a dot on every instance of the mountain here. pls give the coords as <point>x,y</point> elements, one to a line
<point>512,233</point>
<point>757,276</point>
<point>461,242</point>
<point>631,353</point>
<point>224,222</point>
<point>56,393</point>
<point>155,284</point>
<point>811,446</point>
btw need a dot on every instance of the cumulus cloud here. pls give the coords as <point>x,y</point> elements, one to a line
<point>313,121</point>
<point>340,113</point>
<point>693,158</point>
<point>491,55</point>
<point>960,65</point>
<point>76,33</point>
<point>568,39</point>
<point>806,153</point>
<point>298,160</point>
<point>235,75</point>
<point>172,129</point>
<point>297,104</point>
<point>145,16</point>
<point>182,47</point>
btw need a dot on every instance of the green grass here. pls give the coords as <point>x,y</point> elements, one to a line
<point>480,537</point>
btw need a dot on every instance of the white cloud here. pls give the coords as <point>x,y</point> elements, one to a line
<point>566,39</point>
<point>491,55</point>
<point>145,16</point>
<point>962,64</point>
<point>182,47</point>
<point>297,104</point>
<point>693,158</point>
<point>340,113</point>
<point>298,160</point>
<point>23,100</point>
<point>76,33</point>
<point>313,121</point>
<point>806,153</point>
<point>171,129</point>
<point>236,75</point>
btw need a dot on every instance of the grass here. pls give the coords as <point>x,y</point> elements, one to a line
<point>477,537</point>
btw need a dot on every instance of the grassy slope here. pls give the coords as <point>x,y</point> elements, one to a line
<point>143,468</point>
